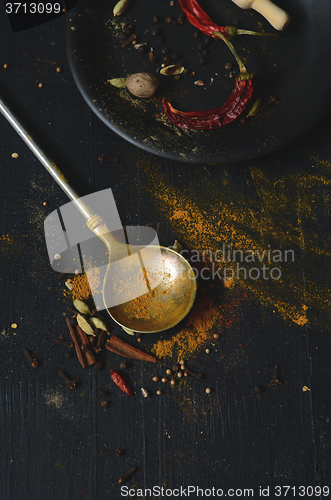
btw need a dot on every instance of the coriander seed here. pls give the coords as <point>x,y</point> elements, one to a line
<point>216,335</point>
<point>40,85</point>
<point>168,372</point>
<point>179,374</point>
<point>159,393</point>
<point>6,66</point>
<point>58,70</point>
<point>207,351</point>
<point>208,390</point>
<point>164,380</point>
<point>155,379</point>
<point>172,381</point>
<point>182,362</point>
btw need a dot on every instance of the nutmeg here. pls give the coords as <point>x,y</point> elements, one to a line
<point>142,84</point>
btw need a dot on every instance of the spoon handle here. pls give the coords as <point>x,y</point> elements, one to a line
<point>50,166</point>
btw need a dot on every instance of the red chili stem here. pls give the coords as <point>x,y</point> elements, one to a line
<point>198,18</point>
<point>242,68</point>
<point>120,381</point>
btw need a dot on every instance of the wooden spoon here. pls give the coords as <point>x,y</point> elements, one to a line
<point>276,16</point>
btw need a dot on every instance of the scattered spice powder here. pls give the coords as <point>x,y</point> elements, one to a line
<point>82,287</point>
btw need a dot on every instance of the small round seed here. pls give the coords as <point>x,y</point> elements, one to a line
<point>40,85</point>
<point>168,20</point>
<point>207,351</point>
<point>176,367</point>
<point>183,367</point>
<point>208,390</point>
<point>5,66</point>
<point>172,3</point>
<point>156,19</point>
<point>164,380</point>
<point>168,372</point>
<point>179,374</point>
<point>104,403</point>
<point>45,203</point>
<point>14,325</point>
<point>172,381</point>
<point>216,335</point>
<point>139,338</point>
<point>155,379</point>
<point>182,362</point>
<point>228,66</point>
<point>57,256</point>
<point>58,70</point>
<point>165,50</point>
<point>185,374</point>
<point>123,365</point>
<point>14,155</point>
<point>155,32</point>
<point>159,393</point>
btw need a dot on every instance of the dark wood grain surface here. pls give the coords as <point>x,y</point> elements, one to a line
<point>51,436</point>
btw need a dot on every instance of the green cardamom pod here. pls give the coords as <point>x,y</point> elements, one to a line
<point>118,82</point>
<point>255,108</point>
<point>84,325</point>
<point>177,247</point>
<point>120,7</point>
<point>130,332</point>
<point>82,307</point>
<point>98,323</point>
<point>167,71</point>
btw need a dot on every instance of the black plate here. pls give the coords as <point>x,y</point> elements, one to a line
<point>294,67</point>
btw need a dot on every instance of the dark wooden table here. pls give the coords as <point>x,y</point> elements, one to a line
<point>52,436</point>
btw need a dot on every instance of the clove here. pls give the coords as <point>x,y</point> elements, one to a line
<point>71,383</point>
<point>32,359</point>
<point>276,378</point>
<point>194,374</point>
<point>126,476</point>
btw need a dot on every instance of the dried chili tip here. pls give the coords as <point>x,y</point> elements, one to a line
<point>120,381</point>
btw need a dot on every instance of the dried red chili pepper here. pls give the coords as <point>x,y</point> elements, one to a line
<point>215,118</point>
<point>198,18</point>
<point>120,381</point>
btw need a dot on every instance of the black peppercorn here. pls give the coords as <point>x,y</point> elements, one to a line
<point>204,52</point>
<point>159,39</point>
<point>68,355</point>
<point>156,19</point>
<point>202,60</point>
<point>122,34</point>
<point>174,22</point>
<point>177,77</point>
<point>208,40</point>
<point>155,32</point>
<point>197,34</point>
<point>176,367</point>
<point>104,403</point>
<point>165,50</point>
<point>201,46</point>
<point>123,365</point>
<point>176,56</point>
<point>103,394</point>
<point>228,66</point>
<point>168,20</point>
<point>142,49</point>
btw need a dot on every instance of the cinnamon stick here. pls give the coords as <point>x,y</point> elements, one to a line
<point>82,345</point>
<point>118,346</point>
